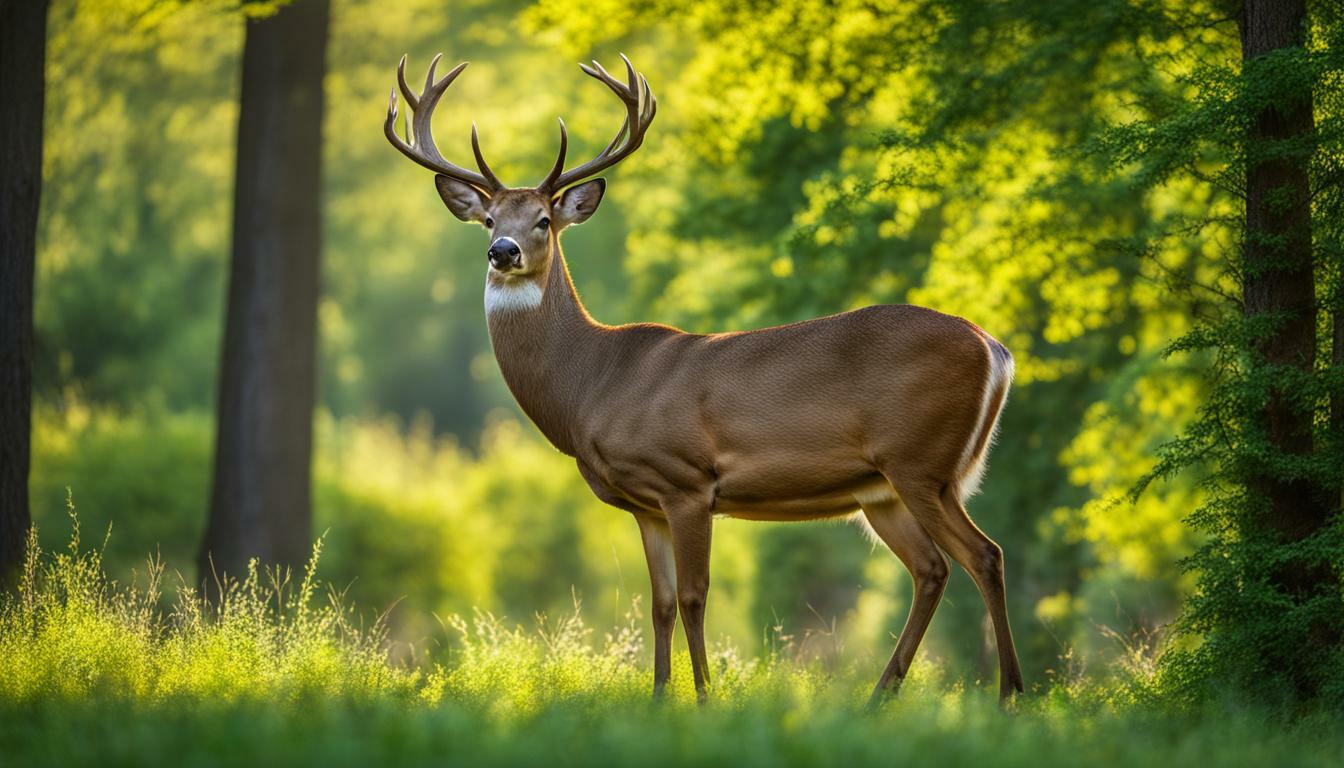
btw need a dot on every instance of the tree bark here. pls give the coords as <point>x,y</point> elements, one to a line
<point>1279,280</point>
<point>1337,398</point>
<point>1278,276</point>
<point>260,505</point>
<point>23,40</point>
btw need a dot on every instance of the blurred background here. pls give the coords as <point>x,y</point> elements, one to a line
<point>804,161</point>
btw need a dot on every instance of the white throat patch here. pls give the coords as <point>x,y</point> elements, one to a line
<point>512,296</point>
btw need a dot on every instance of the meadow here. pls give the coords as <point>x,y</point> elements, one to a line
<point>282,672</point>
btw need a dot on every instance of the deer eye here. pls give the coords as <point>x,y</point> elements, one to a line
<point>489,223</point>
<point>544,223</point>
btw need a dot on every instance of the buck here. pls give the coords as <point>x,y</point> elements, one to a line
<point>884,414</point>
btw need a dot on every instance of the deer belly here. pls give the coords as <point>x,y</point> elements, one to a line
<point>786,501</point>
<point>786,510</point>
<point>789,481</point>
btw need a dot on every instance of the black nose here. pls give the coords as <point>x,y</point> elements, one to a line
<point>504,253</point>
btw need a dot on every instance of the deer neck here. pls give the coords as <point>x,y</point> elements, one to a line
<point>545,343</point>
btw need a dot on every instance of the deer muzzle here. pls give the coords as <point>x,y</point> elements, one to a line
<point>505,255</point>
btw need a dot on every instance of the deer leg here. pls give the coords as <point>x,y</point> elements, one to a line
<point>663,578</point>
<point>941,514</point>
<point>892,522</point>
<point>691,526</point>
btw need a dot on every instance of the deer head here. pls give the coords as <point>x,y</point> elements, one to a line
<point>523,222</point>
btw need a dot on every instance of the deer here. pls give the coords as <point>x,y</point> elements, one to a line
<point>884,415</point>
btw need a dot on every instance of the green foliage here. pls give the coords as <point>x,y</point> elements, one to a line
<point>137,175</point>
<point>94,673</point>
<point>155,463</point>
<point>1244,628</point>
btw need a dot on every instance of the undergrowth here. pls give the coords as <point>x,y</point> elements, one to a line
<point>281,671</point>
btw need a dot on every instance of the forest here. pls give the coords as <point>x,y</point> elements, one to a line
<point>258,451</point>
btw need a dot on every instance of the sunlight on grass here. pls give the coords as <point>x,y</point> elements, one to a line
<point>279,665</point>
<point>72,632</point>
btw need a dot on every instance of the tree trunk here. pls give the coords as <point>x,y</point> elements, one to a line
<point>1337,397</point>
<point>1280,280</point>
<point>260,506</point>
<point>23,40</point>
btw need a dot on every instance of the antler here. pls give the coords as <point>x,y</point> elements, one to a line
<point>419,143</point>
<point>640,107</point>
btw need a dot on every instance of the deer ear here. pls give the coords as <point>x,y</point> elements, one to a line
<point>577,203</point>
<point>465,201</point>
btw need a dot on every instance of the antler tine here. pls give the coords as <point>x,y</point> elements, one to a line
<point>620,136</point>
<point>390,127</point>
<point>630,73</point>
<point>419,144</point>
<point>429,76</point>
<point>433,91</point>
<point>480,159</point>
<point>559,166</point>
<point>605,75</point>
<point>617,87</point>
<point>650,103</point>
<point>411,100</point>
<point>640,107</point>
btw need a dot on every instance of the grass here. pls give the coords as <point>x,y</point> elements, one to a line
<point>281,672</point>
